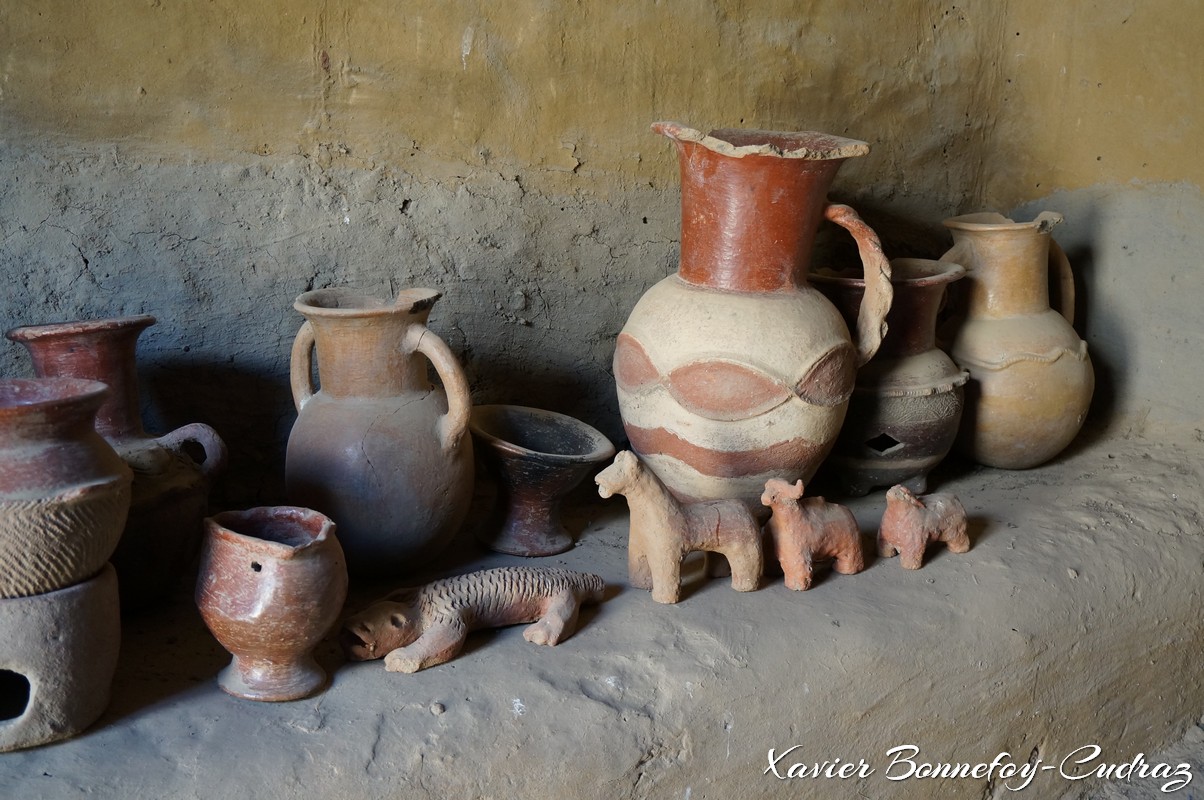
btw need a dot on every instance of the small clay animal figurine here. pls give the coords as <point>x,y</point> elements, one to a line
<point>420,627</point>
<point>662,532</point>
<point>911,522</point>
<point>809,529</point>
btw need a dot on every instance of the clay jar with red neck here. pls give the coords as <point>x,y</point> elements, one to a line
<point>170,490</point>
<point>735,370</point>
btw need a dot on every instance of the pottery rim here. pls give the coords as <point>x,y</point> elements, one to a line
<point>32,333</point>
<point>914,272</point>
<point>994,221</point>
<point>348,303</point>
<point>601,450</point>
<point>21,396</point>
<point>741,142</point>
<point>283,530</point>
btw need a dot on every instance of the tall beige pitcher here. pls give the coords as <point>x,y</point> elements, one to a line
<point>378,449</point>
<point>1030,378</point>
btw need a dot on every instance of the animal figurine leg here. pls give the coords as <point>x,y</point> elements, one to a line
<point>639,573</point>
<point>559,620</point>
<point>912,557</point>
<point>437,645</point>
<point>799,572</point>
<point>885,548</point>
<point>958,541</point>
<point>666,575</point>
<point>747,564</point>
<point>851,561</point>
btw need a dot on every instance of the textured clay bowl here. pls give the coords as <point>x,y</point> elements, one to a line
<point>64,492</point>
<point>536,457</point>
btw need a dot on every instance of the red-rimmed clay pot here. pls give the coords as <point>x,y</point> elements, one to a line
<point>64,493</point>
<point>536,458</point>
<point>907,402</point>
<point>377,447</point>
<point>271,585</point>
<point>735,370</point>
<point>170,492</point>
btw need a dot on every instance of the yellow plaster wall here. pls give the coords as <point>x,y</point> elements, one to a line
<point>1097,92</point>
<point>966,103</point>
<point>547,87</point>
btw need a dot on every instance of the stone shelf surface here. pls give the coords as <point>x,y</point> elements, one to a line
<point>1075,619</point>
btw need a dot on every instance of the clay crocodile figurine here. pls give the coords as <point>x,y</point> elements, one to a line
<point>416,628</point>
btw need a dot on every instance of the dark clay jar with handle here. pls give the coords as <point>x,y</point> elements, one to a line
<point>378,448</point>
<point>170,492</point>
<point>907,402</point>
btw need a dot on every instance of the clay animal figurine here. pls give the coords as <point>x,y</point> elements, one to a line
<point>420,627</point>
<point>662,531</point>
<point>809,529</point>
<point>911,522</point>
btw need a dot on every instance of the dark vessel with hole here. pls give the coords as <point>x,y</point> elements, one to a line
<point>907,400</point>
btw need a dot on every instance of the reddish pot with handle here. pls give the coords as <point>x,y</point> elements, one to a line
<point>170,492</point>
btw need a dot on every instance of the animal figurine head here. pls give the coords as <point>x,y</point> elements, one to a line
<point>777,491</point>
<point>381,628</point>
<point>901,494</point>
<point>619,475</point>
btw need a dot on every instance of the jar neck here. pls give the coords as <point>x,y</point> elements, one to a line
<point>364,356</point>
<point>748,223</point>
<point>101,350</point>
<point>1007,270</point>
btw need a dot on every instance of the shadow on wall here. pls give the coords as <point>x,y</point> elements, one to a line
<point>251,410</point>
<point>901,236</point>
<point>1096,320</point>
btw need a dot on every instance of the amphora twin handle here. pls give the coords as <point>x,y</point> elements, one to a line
<point>452,425</point>
<point>1059,264</point>
<point>201,434</point>
<point>300,368</point>
<point>875,302</point>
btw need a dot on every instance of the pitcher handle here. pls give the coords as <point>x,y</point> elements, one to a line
<point>1059,265</point>
<point>300,366</point>
<point>875,302</point>
<point>207,438</point>
<point>452,425</point>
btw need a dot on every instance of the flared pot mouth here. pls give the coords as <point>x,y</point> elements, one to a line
<point>738,142</point>
<point>535,433</point>
<point>84,327</point>
<point>285,529</point>
<point>994,221</point>
<point>24,396</point>
<point>905,272</point>
<point>342,302</point>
